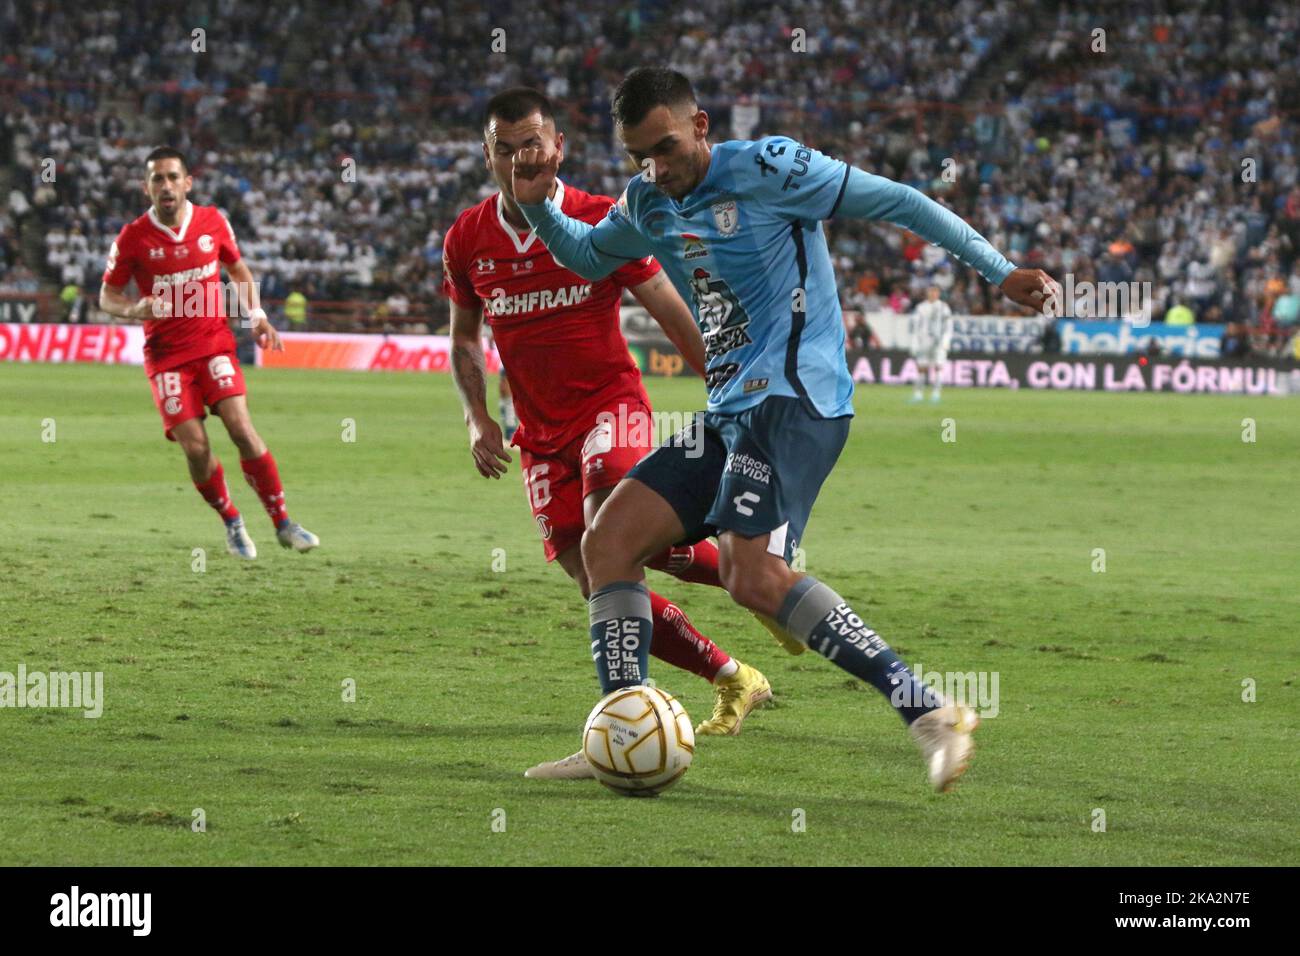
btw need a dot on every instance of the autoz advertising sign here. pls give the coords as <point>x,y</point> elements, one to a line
<point>1079,373</point>
<point>373,353</point>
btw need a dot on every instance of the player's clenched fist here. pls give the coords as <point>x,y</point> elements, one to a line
<point>534,174</point>
<point>1035,289</point>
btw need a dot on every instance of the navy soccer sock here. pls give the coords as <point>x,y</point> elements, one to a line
<point>621,627</point>
<point>820,617</point>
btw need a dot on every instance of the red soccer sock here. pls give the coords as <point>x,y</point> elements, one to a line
<point>215,493</point>
<point>264,478</point>
<point>696,563</point>
<point>677,642</point>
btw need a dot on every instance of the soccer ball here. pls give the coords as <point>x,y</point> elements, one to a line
<point>638,740</point>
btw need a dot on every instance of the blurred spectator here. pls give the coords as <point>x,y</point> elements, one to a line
<point>1051,338</point>
<point>295,311</point>
<point>861,337</point>
<point>72,302</point>
<point>1235,342</point>
<point>1286,310</point>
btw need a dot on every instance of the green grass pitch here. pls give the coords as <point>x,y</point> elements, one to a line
<point>1119,691</point>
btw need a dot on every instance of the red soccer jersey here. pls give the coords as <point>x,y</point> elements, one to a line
<point>156,255</point>
<point>557,334</point>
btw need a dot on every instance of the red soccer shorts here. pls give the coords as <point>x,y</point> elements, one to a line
<point>182,392</point>
<point>557,484</point>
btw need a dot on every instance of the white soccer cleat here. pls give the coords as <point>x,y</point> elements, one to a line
<point>238,542</point>
<point>944,736</point>
<point>573,767</point>
<point>293,535</point>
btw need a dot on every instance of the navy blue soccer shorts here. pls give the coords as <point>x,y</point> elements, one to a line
<point>755,472</point>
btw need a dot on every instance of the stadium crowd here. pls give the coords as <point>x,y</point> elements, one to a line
<point>1161,150</point>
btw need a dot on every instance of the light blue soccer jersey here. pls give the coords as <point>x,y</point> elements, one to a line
<point>745,249</point>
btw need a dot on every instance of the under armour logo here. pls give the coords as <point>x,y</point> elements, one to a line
<point>764,165</point>
<point>486,265</point>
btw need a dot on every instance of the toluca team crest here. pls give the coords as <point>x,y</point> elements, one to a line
<point>726,217</point>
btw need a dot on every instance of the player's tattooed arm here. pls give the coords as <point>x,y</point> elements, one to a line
<point>674,316</point>
<point>469,370</point>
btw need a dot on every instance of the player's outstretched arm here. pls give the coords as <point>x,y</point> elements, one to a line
<point>661,300</point>
<point>867,196</point>
<point>469,370</point>
<point>593,252</point>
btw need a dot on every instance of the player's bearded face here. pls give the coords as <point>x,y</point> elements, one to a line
<point>501,140</point>
<point>672,142</point>
<point>167,184</point>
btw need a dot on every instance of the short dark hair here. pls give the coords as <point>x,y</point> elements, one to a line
<point>647,87</point>
<point>516,103</point>
<point>166,152</point>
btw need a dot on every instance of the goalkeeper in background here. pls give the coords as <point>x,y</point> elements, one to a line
<point>931,336</point>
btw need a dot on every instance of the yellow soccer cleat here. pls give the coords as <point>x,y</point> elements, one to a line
<point>783,637</point>
<point>733,698</point>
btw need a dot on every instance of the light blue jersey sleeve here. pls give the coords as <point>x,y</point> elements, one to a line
<point>593,252</point>
<point>792,180</point>
<point>798,182</point>
<point>875,197</point>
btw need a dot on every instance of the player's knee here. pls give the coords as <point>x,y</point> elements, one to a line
<point>245,439</point>
<point>195,447</point>
<point>747,593</point>
<point>753,588</point>
<point>595,549</point>
<point>603,552</point>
